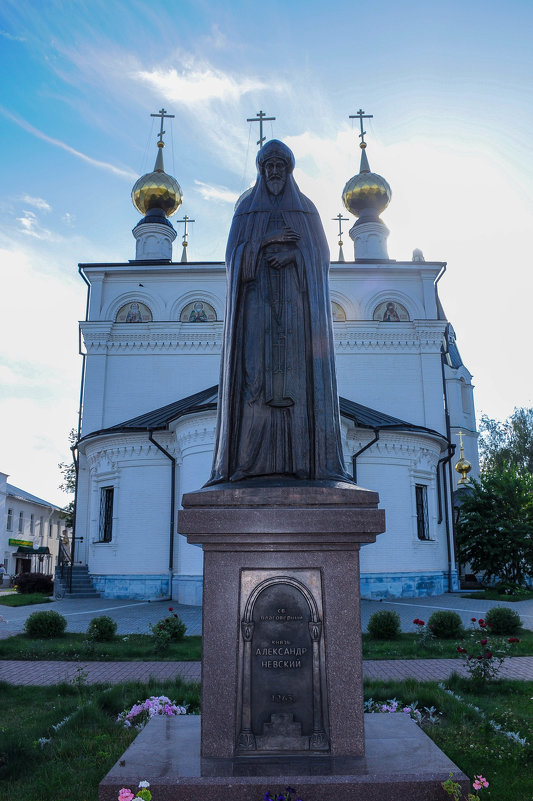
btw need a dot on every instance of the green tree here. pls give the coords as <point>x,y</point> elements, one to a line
<point>495,527</point>
<point>508,443</point>
<point>68,484</point>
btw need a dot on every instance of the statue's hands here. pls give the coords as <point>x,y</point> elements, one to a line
<point>279,260</point>
<point>289,235</point>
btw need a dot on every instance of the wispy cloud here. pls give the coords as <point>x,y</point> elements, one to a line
<point>37,202</point>
<point>220,193</point>
<point>11,37</point>
<point>196,85</point>
<point>31,226</point>
<point>104,165</point>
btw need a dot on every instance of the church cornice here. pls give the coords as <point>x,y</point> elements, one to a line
<point>162,337</point>
<point>415,336</point>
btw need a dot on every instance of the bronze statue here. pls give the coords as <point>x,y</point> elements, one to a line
<point>278,410</point>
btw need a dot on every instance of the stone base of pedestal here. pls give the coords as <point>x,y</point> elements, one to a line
<point>401,763</point>
<point>281,642</point>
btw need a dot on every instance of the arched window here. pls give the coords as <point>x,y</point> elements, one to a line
<point>390,312</point>
<point>198,311</point>
<point>337,312</point>
<point>134,312</point>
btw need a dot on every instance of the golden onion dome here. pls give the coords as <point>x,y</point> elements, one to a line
<point>366,191</point>
<point>157,189</point>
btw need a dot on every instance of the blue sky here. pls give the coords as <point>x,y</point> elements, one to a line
<point>449,85</point>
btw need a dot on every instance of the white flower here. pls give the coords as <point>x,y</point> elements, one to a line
<point>144,784</point>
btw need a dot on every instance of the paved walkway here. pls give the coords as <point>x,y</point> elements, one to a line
<point>45,673</point>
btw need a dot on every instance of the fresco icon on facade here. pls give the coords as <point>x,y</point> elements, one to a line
<point>198,311</point>
<point>390,312</point>
<point>134,312</point>
<point>337,313</point>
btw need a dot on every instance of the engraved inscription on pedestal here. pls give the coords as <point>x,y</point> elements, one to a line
<point>282,682</point>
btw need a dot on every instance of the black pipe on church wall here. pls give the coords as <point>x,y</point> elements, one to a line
<point>172,504</point>
<point>450,530</point>
<point>355,455</point>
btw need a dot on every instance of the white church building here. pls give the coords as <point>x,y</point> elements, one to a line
<point>152,341</point>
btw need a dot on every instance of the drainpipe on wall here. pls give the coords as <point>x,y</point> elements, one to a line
<point>172,507</point>
<point>74,448</point>
<point>355,455</point>
<point>450,529</point>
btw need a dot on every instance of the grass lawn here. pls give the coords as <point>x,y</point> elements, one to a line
<point>407,646</point>
<point>494,595</point>
<point>27,599</point>
<point>139,647</point>
<point>83,748</point>
<point>73,647</point>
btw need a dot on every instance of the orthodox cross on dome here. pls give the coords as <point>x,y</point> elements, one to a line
<point>162,113</point>
<point>340,219</point>
<point>260,118</point>
<point>360,115</point>
<point>185,220</point>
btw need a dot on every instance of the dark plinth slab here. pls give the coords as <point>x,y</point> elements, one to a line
<point>266,511</point>
<point>401,763</point>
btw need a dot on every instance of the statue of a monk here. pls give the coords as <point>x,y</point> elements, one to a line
<point>278,412</point>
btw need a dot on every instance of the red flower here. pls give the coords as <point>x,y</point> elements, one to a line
<point>473,619</point>
<point>170,608</point>
<point>513,639</point>
<point>481,621</point>
<point>490,624</point>
<point>488,655</point>
<point>480,658</point>
<point>461,650</point>
<point>483,625</point>
<point>484,641</point>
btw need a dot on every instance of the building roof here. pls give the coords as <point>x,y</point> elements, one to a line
<point>22,495</point>
<point>451,351</point>
<point>159,419</point>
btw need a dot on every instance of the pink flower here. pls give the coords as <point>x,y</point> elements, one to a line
<point>484,641</point>
<point>480,782</point>
<point>125,795</point>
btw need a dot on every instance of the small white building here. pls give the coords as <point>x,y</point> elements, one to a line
<point>152,337</point>
<point>31,531</point>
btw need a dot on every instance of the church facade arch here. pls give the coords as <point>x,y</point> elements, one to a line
<point>113,307</point>
<point>350,307</point>
<point>409,302</point>
<point>197,295</point>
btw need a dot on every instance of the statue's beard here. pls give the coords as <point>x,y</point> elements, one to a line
<point>275,185</point>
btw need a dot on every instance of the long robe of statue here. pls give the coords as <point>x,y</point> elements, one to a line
<point>278,406</point>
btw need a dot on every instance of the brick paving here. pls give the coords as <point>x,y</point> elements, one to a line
<point>46,673</point>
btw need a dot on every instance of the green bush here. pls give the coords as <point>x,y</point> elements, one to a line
<point>34,582</point>
<point>169,629</point>
<point>384,625</point>
<point>45,625</point>
<point>502,620</point>
<point>445,625</point>
<point>102,629</point>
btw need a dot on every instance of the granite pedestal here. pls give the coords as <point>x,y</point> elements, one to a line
<point>282,664</point>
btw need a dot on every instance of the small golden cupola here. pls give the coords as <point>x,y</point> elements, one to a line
<point>157,195</point>
<point>366,196</point>
<point>463,466</point>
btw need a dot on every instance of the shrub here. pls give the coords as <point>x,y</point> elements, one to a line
<point>35,582</point>
<point>503,620</point>
<point>445,625</point>
<point>384,625</point>
<point>168,629</point>
<point>45,625</point>
<point>102,629</point>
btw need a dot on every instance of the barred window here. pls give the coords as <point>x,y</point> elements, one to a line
<point>105,529</point>
<point>9,525</point>
<point>21,521</point>
<point>422,521</point>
